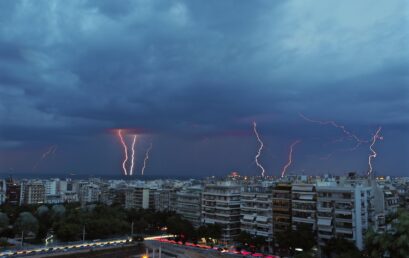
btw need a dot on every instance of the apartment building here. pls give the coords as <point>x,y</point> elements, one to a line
<point>165,199</point>
<point>221,205</point>
<point>139,198</point>
<point>256,211</point>
<point>33,192</point>
<point>13,192</point>
<point>343,211</point>
<point>89,193</point>
<point>281,206</point>
<point>189,204</point>
<point>303,206</point>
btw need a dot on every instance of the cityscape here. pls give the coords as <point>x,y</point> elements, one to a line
<point>193,129</point>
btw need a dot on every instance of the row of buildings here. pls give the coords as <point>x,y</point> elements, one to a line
<point>330,206</point>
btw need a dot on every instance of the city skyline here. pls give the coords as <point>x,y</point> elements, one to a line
<point>190,78</point>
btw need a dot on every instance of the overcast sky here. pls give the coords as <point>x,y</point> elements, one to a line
<point>190,77</point>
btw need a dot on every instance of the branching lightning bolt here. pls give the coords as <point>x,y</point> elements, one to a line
<point>334,124</point>
<point>133,155</point>
<point>373,155</point>
<point>290,158</point>
<point>259,149</point>
<point>125,151</point>
<point>146,158</point>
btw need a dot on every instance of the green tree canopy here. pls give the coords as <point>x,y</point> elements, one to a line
<point>393,243</point>
<point>4,221</point>
<point>26,223</point>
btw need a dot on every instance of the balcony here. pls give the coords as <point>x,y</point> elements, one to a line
<point>344,230</point>
<point>304,220</point>
<point>322,236</point>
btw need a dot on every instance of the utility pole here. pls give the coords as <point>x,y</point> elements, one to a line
<point>22,237</point>
<point>132,229</point>
<point>83,234</point>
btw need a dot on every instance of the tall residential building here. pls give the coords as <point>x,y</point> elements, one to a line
<point>139,198</point>
<point>165,199</point>
<point>303,206</point>
<point>189,204</point>
<point>221,205</point>
<point>281,200</point>
<point>13,192</point>
<point>33,192</point>
<point>256,211</point>
<point>89,193</point>
<point>52,186</point>
<point>342,211</point>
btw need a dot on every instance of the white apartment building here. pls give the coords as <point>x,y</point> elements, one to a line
<point>189,204</point>
<point>33,192</point>
<point>343,210</point>
<point>256,211</point>
<point>221,205</point>
<point>89,193</point>
<point>139,198</point>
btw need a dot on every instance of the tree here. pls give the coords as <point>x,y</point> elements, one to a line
<point>210,231</point>
<point>58,210</point>
<point>26,223</point>
<point>4,221</point>
<point>45,221</point>
<point>68,232</point>
<point>180,227</point>
<point>290,239</point>
<point>305,255</point>
<point>42,210</point>
<point>303,238</point>
<point>341,248</point>
<point>243,238</point>
<point>140,226</point>
<point>393,243</point>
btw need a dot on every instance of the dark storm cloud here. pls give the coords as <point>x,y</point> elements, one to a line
<point>73,69</point>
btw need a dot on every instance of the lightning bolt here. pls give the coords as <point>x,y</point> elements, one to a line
<point>125,151</point>
<point>373,155</point>
<point>290,158</point>
<point>133,155</point>
<point>334,124</point>
<point>146,159</point>
<point>51,151</point>
<point>259,149</point>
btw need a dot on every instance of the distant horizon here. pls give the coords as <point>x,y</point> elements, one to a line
<point>163,176</point>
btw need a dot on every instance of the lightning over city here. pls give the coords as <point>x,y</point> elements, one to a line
<point>145,160</point>
<point>373,154</point>
<point>133,155</point>
<point>336,125</point>
<point>256,158</point>
<point>50,151</point>
<point>290,158</point>
<point>121,138</point>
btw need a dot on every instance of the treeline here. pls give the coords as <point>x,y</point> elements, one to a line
<point>71,222</point>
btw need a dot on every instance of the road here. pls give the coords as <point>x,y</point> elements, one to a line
<point>70,248</point>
